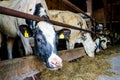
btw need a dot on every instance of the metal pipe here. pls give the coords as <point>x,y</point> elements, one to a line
<point>77,9</point>
<point>19,14</point>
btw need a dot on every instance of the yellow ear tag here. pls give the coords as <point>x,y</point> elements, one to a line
<point>62,36</point>
<point>26,34</point>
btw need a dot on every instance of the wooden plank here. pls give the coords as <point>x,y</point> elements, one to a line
<point>68,55</point>
<point>21,68</point>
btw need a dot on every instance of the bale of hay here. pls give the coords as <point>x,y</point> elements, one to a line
<point>85,68</point>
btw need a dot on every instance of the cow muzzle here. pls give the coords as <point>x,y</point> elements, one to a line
<point>55,62</point>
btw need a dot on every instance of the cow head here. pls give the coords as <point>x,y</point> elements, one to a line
<point>45,39</point>
<point>104,41</point>
<point>89,45</point>
<point>99,27</point>
<point>101,43</point>
<point>45,44</point>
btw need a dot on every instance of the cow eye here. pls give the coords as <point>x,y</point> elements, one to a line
<point>39,40</point>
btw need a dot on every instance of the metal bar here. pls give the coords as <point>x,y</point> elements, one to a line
<point>19,14</point>
<point>77,9</point>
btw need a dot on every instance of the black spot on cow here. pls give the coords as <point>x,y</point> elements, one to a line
<point>38,11</point>
<point>80,24</point>
<point>30,9</point>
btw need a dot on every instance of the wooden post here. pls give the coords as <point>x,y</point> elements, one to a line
<point>89,11</point>
<point>105,12</point>
<point>89,6</point>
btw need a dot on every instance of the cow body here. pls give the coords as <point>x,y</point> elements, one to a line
<point>43,32</point>
<point>76,36</point>
<point>10,25</point>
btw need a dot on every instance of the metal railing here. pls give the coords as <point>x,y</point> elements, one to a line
<point>19,14</point>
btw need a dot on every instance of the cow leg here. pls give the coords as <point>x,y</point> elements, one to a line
<point>26,45</point>
<point>10,43</point>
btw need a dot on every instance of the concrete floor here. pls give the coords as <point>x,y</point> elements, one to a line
<point>115,62</point>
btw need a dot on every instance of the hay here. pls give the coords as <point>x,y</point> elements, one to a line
<point>84,68</point>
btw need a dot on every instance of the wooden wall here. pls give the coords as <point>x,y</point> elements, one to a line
<point>58,5</point>
<point>99,15</point>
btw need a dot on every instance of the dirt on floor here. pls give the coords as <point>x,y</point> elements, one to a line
<point>85,68</point>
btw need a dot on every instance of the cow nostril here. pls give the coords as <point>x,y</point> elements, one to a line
<point>56,64</point>
<point>52,62</point>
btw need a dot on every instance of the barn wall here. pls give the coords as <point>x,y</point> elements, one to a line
<point>56,4</point>
<point>99,15</point>
<point>59,5</point>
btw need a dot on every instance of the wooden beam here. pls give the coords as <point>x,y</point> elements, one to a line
<point>25,67</point>
<point>105,12</point>
<point>89,11</point>
<point>68,55</point>
<point>89,6</point>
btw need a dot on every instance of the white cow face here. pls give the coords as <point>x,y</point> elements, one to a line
<point>45,45</point>
<point>103,42</point>
<point>89,45</point>
<point>99,27</point>
<point>45,39</point>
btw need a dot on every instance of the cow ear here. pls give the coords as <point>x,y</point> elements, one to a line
<point>26,31</point>
<point>63,33</point>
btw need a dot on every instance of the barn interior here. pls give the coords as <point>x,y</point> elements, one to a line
<point>105,12</point>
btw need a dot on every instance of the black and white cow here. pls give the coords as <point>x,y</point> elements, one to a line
<point>44,34</point>
<point>102,42</point>
<point>76,36</point>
